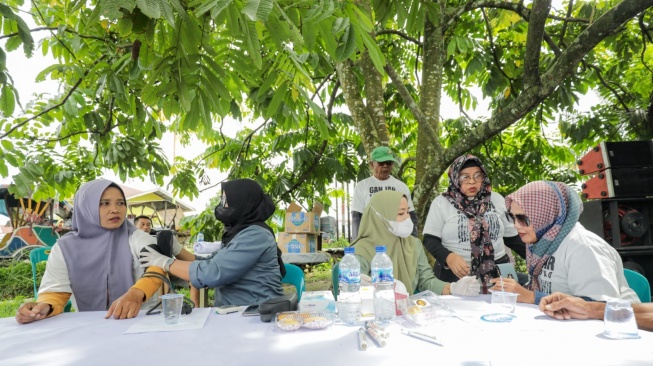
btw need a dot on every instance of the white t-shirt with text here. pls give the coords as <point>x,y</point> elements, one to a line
<point>366,188</point>
<point>451,225</point>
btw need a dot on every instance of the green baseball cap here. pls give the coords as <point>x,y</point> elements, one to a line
<point>383,153</point>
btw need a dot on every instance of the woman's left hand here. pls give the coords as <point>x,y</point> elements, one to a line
<point>510,285</point>
<point>126,306</point>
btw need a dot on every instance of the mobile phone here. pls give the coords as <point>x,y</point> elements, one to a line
<point>251,310</point>
<point>227,309</point>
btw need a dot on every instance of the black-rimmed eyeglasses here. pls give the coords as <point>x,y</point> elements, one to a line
<point>522,219</point>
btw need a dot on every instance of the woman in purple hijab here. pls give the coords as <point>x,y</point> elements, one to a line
<point>97,262</point>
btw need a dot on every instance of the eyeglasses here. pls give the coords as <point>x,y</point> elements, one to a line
<point>522,219</point>
<point>389,162</point>
<point>478,177</point>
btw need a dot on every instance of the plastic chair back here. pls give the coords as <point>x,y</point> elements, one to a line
<point>38,255</point>
<point>295,276</point>
<point>639,284</point>
<point>334,279</point>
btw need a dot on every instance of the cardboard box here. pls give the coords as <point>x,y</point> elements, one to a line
<point>297,243</point>
<point>317,301</point>
<point>298,221</point>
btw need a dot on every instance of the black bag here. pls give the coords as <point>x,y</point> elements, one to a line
<point>270,308</point>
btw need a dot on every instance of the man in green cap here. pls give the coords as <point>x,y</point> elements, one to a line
<point>382,161</point>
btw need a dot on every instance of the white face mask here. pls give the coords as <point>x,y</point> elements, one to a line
<point>402,229</point>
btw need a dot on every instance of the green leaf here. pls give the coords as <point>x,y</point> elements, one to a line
<point>7,145</point>
<point>206,6</point>
<point>7,101</point>
<point>258,9</point>
<point>347,44</point>
<point>150,8</point>
<point>251,40</point>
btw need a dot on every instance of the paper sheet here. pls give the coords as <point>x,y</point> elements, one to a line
<point>155,323</point>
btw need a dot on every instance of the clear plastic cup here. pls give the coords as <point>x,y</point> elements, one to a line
<point>504,302</point>
<point>172,307</point>
<point>619,320</point>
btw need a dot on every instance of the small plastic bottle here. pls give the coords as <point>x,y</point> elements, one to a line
<point>384,286</point>
<point>200,236</point>
<point>349,283</point>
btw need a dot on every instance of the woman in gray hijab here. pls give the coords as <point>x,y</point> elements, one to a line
<point>96,262</point>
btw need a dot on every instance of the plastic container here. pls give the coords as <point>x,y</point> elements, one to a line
<point>384,286</point>
<point>295,320</point>
<point>349,283</point>
<point>200,236</point>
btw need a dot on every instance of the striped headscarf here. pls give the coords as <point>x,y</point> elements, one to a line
<point>553,209</point>
<point>474,209</point>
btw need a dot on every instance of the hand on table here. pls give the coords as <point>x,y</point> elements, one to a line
<point>32,311</point>
<point>457,265</point>
<point>562,306</point>
<point>126,306</point>
<point>511,285</point>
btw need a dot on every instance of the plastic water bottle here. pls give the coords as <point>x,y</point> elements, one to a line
<point>349,283</point>
<point>384,286</point>
<point>200,236</point>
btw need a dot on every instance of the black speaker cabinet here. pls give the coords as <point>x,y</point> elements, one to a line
<point>626,225</point>
<point>624,154</point>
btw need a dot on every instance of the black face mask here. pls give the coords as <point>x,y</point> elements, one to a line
<point>225,214</point>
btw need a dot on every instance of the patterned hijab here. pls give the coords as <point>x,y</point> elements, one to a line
<point>474,209</point>
<point>99,260</point>
<point>374,231</point>
<point>553,209</point>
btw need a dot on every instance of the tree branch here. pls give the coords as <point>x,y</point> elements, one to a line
<point>495,57</point>
<point>400,34</point>
<point>405,94</point>
<point>564,23</point>
<point>534,37</point>
<point>562,67</point>
<point>38,29</point>
<point>48,110</point>
<point>497,4</point>
<point>606,84</point>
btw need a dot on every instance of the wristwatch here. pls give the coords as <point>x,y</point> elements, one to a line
<point>166,266</point>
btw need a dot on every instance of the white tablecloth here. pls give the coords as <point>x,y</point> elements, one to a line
<point>531,339</point>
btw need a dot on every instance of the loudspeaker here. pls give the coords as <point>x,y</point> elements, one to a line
<point>620,182</point>
<point>627,154</point>
<point>626,225</point>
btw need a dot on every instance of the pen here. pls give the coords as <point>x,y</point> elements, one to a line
<point>362,339</point>
<point>376,337</point>
<point>422,336</point>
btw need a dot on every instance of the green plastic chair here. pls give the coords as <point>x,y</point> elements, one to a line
<point>334,279</point>
<point>295,276</point>
<point>38,255</point>
<point>639,284</point>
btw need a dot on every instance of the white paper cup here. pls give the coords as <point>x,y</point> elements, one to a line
<point>172,307</point>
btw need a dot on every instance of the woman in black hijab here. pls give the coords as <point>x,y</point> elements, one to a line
<point>248,269</point>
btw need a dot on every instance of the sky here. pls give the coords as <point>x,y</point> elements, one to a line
<point>24,71</point>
